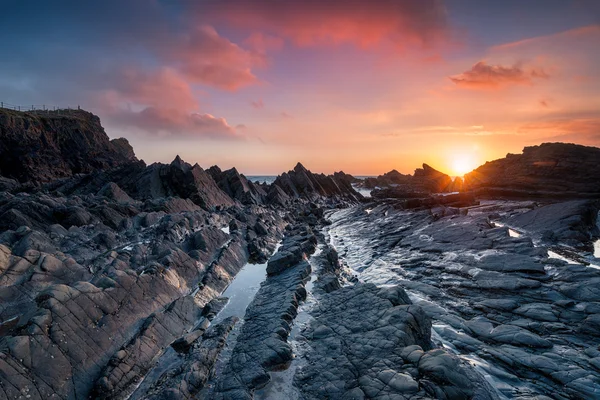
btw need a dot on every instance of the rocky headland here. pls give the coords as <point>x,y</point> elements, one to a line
<point>120,279</point>
<point>556,170</point>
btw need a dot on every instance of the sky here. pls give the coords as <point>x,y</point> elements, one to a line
<point>359,86</point>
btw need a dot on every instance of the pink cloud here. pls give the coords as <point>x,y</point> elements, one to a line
<point>203,56</point>
<point>485,76</point>
<point>164,87</point>
<point>261,43</point>
<point>159,102</point>
<point>317,22</point>
<point>175,122</point>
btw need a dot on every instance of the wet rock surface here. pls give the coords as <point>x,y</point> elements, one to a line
<point>262,344</point>
<point>499,298</point>
<point>186,381</point>
<point>94,287</point>
<point>386,353</point>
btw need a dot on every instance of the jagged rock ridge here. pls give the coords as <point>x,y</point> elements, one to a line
<point>302,183</point>
<point>424,180</point>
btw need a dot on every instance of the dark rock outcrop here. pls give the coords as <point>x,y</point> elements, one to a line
<point>392,177</point>
<point>301,183</point>
<point>425,180</point>
<point>40,147</point>
<point>95,286</point>
<point>432,180</point>
<point>550,170</point>
<point>156,181</point>
<point>180,179</point>
<point>299,243</point>
<point>237,186</point>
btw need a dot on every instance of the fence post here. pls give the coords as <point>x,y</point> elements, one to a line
<point>19,108</point>
<point>2,104</point>
<point>78,107</point>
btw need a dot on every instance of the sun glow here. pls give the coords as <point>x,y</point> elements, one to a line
<point>461,164</point>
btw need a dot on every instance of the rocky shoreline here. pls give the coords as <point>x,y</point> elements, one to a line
<point>112,274</point>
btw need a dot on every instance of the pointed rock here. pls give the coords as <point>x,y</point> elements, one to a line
<point>302,183</point>
<point>112,191</point>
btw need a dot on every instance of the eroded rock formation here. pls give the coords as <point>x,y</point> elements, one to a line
<point>558,170</point>
<point>39,147</point>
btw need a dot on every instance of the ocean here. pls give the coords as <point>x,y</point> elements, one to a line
<point>268,179</point>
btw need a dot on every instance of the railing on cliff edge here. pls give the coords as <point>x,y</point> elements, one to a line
<point>40,108</point>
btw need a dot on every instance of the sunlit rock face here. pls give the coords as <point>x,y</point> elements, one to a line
<point>557,169</point>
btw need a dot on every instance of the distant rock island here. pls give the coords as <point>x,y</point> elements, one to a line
<point>119,279</point>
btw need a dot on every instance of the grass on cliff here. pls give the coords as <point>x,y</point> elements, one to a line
<point>45,115</point>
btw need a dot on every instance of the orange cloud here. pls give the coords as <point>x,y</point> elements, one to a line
<point>317,22</point>
<point>485,76</point>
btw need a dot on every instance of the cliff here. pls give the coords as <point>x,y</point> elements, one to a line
<point>561,168</point>
<point>40,147</point>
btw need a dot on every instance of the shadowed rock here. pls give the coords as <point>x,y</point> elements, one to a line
<point>237,186</point>
<point>301,183</point>
<point>551,170</point>
<point>424,181</point>
<point>40,147</point>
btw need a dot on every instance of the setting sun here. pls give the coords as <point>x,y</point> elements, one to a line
<point>461,164</point>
